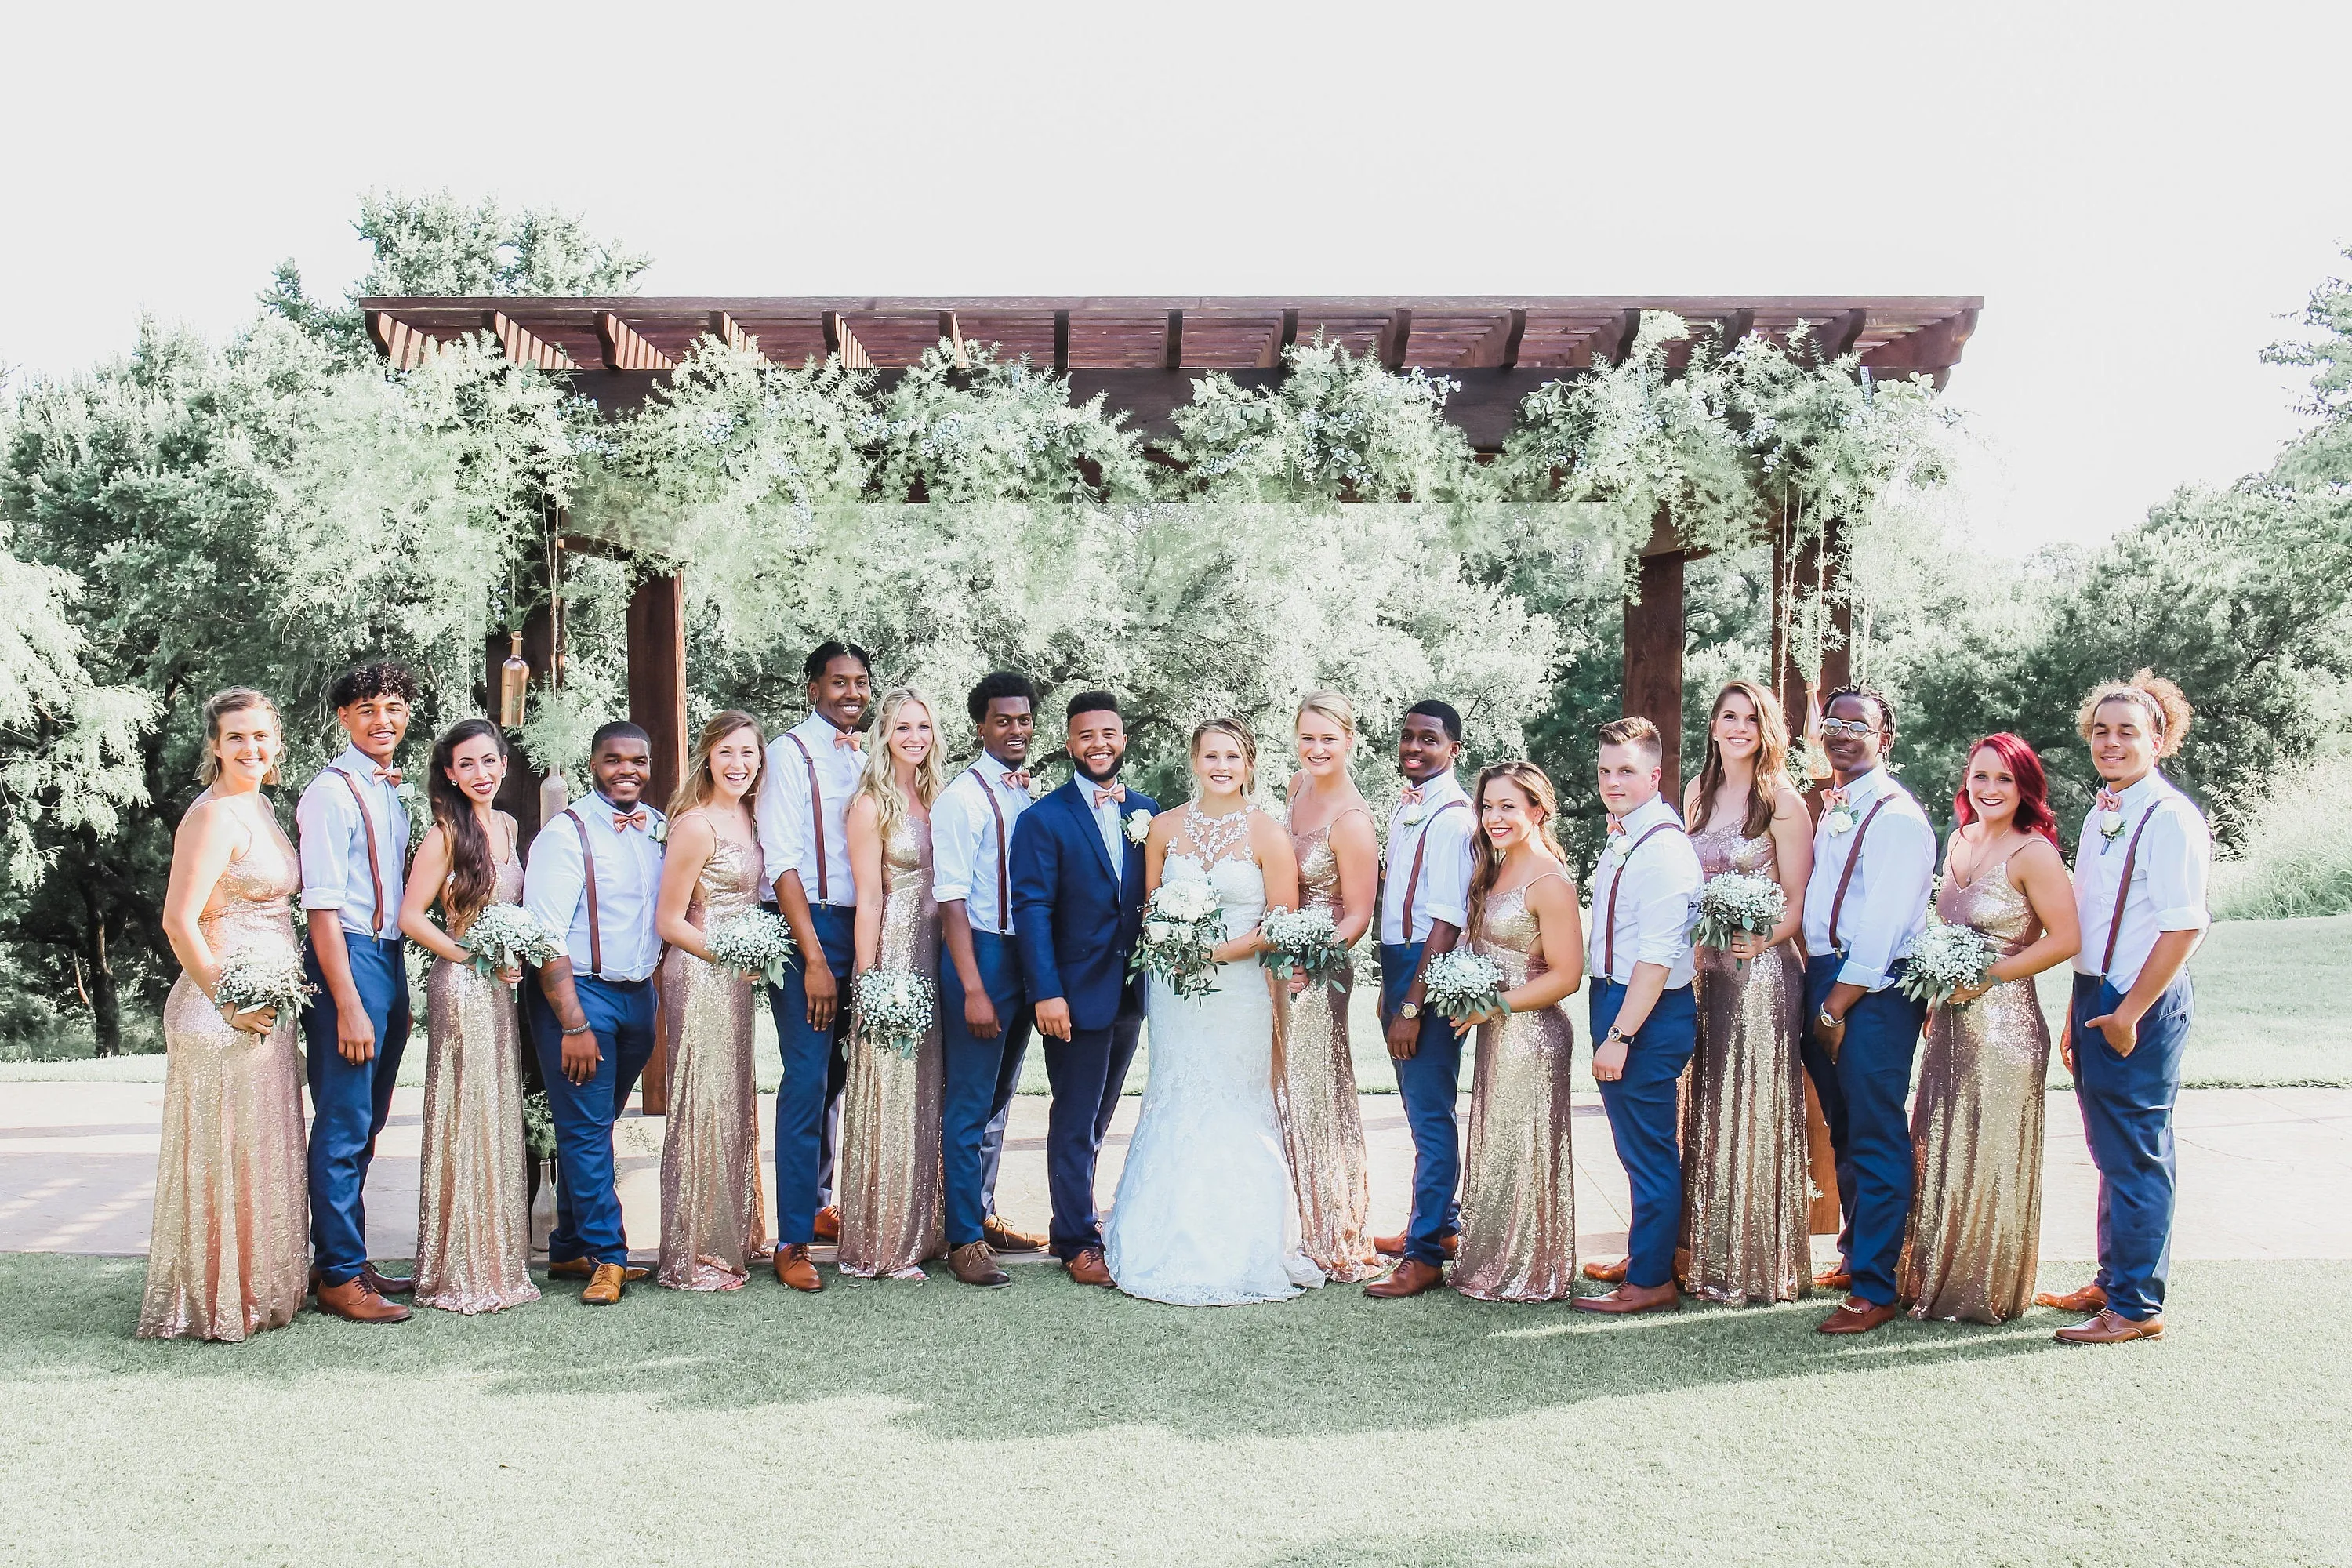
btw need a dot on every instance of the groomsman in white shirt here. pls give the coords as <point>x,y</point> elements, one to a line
<point>593,874</point>
<point>1867,903</point>
<point>2140,871</point>
<point>984,1012</point>
<point>1643,1019</point>
<point>1425,904</point>
<point>354,853</point>
<point>812,771</point>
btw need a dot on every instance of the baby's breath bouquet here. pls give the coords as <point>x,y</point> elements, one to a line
<point>1460,983</point>
<point>257,978</point>
<point>894,1008</point>
<point>1300,941</point>
<point>1733,902</point>
<point>505,937</point>
<point>1946,959</point>
<point>756,942</point>
<point>1182,927</point>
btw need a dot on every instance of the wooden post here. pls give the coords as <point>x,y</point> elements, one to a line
<point>1654,662</point>
<point>657,623</point>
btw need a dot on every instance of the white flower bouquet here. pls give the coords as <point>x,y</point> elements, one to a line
<point>895,1007</point>
<point>1946,959</point>
<point>754,943</point>
<point>1733,902</point>
<point>1300,941</point>
<point>253,980</point>
<point>508,936</point>
<point>1182,926</point>
<point>539,1125</point>
<point>1460,983</point>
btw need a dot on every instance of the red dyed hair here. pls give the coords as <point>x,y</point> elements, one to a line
<point>2033,812</point>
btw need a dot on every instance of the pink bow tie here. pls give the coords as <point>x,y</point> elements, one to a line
<point>849,738</point>
<point>624,820</point>
<point>1014,781</point>
<point>389,776</point>
<point>1831,797</point>
<point>1412,795</point>
<point>1615,827</point>
<point>2110,801</point>
<point>1117,792</point>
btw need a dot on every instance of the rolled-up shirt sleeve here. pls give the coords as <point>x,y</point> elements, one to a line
<point>2180,862</point>
<point>324,826</point>
<point>552,880</point>
<point>954,842</point>
<point>1445,869</point>
<point>782,815</point>
<point>1897,872</point>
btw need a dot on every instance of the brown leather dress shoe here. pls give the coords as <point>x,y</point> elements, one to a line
<point>1409,1277</point>
<point>793,1268</point>
<point>1393,1246</point>
<point>1607,1273</point>
<point>1837,1277</point>
<point>386,1284</point>
<point>2089,1298</point>
<point>354,1303</point>
<point>974,1264</point>
<point>1627,1299</point>
<point>2111,1327</point>
<point>1004,1239</point>
<point>1857,1315</point>
<point>1089,1268</point>
<point>585,1268</point>
<point>604,1285</point>
<point>828,1223</point>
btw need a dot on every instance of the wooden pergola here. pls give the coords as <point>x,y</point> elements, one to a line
<point>1144,355</point>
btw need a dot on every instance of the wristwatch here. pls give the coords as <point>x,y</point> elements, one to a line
<point>1616,1034</point>
<point>1828,1020</point>
<point>1409,1012</point>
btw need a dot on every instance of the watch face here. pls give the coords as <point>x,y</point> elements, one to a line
<point>1410,1010</point>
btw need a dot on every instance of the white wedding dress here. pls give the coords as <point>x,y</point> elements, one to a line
<point>1205,1215</point>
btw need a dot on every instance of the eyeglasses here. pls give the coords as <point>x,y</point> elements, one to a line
<point>1833,728</point>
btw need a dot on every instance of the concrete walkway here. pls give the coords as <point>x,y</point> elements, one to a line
<point>2263,1173</point>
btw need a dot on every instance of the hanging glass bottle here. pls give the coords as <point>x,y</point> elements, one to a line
<point>514,681</point>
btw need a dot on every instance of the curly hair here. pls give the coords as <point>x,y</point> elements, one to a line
<point>2169,713</point>
<point>380,679</point>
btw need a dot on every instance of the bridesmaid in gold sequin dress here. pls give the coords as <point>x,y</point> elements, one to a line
<point>1747,1231</point>
<point>473,1210</point>
<point>1315,1095</point>
<point>229,1251</point>
<point>1975,1234</point>
<point>1518,1195</point>
<point>714,1222</point>
<point>892,1213</point>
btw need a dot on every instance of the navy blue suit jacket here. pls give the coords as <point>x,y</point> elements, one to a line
<point>1075,926</point>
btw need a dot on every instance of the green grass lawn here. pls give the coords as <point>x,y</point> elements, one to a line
<point>902,1424</point>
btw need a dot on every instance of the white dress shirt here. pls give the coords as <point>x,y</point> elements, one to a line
<point>1887,903</point>
<point>787,825</point>
<point>971,860</point>
<point>1106,822</point>
<point>2169,875</point>
<point>1444,891</point>
<point>1656,887</point>
<point>334,846</point>
<point>628,879</point>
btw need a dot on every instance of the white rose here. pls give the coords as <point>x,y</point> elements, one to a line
<point>1157,931</point>
<point>1138,826</point>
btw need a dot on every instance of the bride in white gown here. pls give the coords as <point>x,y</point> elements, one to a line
<point>1205,1215</point>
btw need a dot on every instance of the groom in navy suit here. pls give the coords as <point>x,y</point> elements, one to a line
<point>1078,906</point>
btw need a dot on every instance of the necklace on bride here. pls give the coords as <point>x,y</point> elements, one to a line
<point>1214,836</point>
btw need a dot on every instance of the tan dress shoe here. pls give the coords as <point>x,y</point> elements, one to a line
<point>1089,1268</point>
<point>1004,1239</point>
<point>1607,1273</point>
<point>828,1223</point>
<point>1857,1315</point>
<point>2089,1298</point>
<point>1837,1277</point>
<point>585,1268</point>
<point>354,1303</point>
<point>387,1284</point>
<point>2111,1327</point>
<point>604,1285</point>
<point>974,1264</point>
<point>1409,1277</point>
<point>1627,1299</point>
<point>1393,1246</point>
<point>793,1268</point>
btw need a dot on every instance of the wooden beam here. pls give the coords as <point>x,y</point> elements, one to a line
<point>1395,338</point>
<point>521,345</point>
<point>1732,327</point>
<point>1653,662</point>
<point>1171,351</point>
<point>1061,343</point>
<point>1281,338</point>
<point>1512,340</point>
<point>842,343</point>
<point>625,350</point>
<point>400,343</point>
<point>724,328</point>
<point>952,332</point>
<point>1834,338</point>
<point>1612,343</point>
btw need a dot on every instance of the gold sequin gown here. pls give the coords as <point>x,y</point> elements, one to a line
<point>892,1215</point>
<point>1315,1096</point>
<point>1976,1131</point>
<point>229,1252</point>
<point>1747,1232</point>
<point>473,1208</point>
<point>1519,1192</point>
<point>714,1220</point>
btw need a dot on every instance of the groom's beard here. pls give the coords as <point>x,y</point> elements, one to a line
<point>1092,777</point>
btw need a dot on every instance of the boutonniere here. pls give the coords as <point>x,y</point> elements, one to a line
<point>659,831</point>
<point>1038,788</point>
<point>2111,817</point>
<point>1138,826</point>
<point>1836,815</point>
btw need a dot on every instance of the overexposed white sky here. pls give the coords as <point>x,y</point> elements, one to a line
<point>2139,193</point>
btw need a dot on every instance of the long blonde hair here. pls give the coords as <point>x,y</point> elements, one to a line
<point>219,706</point>
<point>699,785</point>
<point>1486,863</point>
<point>880,779</point>
<point>1771,759</point>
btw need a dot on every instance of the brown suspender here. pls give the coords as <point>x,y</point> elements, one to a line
<point>1003,895</point>
<point>1413,880</point>
<point>1609,931</point>
<point>375,870</point>
<point>588,869</point>
<point>2123,889</point>
<point>816,817</point>
<point>1837,904</point>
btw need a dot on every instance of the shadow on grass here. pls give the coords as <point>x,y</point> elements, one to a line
<point>1041,1359</point>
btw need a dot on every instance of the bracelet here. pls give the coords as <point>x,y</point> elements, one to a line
<point>583,1030</point>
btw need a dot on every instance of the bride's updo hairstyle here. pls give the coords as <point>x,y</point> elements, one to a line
<point>2166,711</point>
<point>1239,733</point>
<point>1333,706</point>
<point>1534,786</point>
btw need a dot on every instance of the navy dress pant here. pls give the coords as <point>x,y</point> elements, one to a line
<point>1429,1083</point>
<point>620,1013</point>
<point>2127,1104</point>
<point>1863,1094</point>
<point>1087,1072</point>
<point>808,1099</point>
<point>1644,1121</point>
<point>979,1081</point>
<point>349,1102</point>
